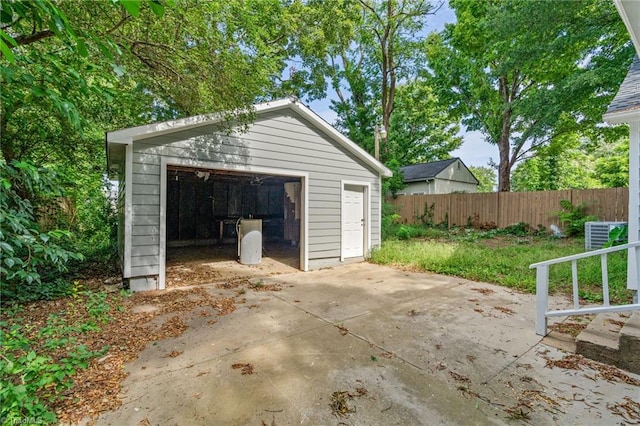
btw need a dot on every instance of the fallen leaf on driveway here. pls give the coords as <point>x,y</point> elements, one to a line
<point>504,310</point>
<point>246,368</point>
<point>483,290</point>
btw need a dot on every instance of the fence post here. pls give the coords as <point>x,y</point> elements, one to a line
<point>542,299</point>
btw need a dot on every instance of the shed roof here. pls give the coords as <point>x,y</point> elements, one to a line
<point>417,172</point>
<point>627,100</point>
<point>132,134</point>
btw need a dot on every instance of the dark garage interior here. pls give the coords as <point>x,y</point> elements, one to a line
<point>203,208</point>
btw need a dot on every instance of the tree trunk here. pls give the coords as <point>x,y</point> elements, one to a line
<point>504,147</point>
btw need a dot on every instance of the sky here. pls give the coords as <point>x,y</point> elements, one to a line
<point>473,152</point>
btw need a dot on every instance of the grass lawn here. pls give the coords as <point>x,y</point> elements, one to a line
<point>504,260</point>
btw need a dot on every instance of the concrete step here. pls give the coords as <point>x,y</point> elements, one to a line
<point>629,348</point>
<point>614,339</point>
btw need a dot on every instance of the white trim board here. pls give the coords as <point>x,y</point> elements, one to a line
<point>176,161</point>
<point>128,210</point>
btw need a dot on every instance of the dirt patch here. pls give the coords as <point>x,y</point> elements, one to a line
<point>570,328</point>
<point>133,323</point>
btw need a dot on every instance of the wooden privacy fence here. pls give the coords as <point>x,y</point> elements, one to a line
<point>507,208</point>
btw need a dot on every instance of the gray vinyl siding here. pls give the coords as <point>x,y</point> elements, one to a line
<point>279,140</point>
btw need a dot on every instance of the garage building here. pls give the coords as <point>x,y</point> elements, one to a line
<point>186,182</point>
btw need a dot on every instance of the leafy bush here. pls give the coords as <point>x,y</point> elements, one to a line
<point>389,221</point>
<point>405,232</point>
<point>94,226</point>
<point>27,252</point>
<point>573,218</point>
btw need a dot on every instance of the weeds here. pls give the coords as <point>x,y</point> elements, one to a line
<point>31,381</point>
<point>502,259</point>
<point>573,218</point>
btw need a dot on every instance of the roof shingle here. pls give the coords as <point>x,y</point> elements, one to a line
<point>424,171</point>
<point>628,96</point>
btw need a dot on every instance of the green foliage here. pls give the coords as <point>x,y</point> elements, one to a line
<point>564,164</point>
<point>618,235</point>
<point>525,73</point>
<point>405,232</point>
<point>612,162</point>
<point>26,251</point>
<point>374,50</point>
<point>32,376</point>
<point>573,218</point>
<point>420,129</point>
<point>396,182</point>
<point>427,216</point>
<point>486,177</point>
<point>389,220</point>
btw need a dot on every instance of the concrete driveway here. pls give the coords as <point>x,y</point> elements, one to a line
<point>367,345</point>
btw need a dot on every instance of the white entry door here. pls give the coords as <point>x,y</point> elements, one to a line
<point>353,221</point>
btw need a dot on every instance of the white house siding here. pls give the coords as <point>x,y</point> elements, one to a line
<point>418,188</point>
<point>448,186</point>
<point>278,140</point>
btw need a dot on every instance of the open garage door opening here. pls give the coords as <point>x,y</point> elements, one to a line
<point>204,212</point>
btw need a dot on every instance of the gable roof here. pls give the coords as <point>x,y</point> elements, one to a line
<point>129,135</point>
<point>418,172</point>
<point>627,101</point>
<point>423,171</point>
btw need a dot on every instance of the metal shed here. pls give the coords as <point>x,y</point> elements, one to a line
<point>186,182</point>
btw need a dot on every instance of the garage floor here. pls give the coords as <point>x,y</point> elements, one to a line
<point>212,264</point>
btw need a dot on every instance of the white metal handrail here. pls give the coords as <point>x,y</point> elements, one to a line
<point>542,286</point>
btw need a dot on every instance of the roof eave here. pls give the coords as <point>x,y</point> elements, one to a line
<point>419,179</point>
<point>619,117</point>
<point>128,135</point>
<point>626,11</point>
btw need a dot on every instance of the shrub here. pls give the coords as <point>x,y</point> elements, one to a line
<point>573,218</point>
<point>27,252</point>
<point>389,221</point>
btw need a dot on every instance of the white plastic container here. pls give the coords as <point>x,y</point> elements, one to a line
<point>250,241</point>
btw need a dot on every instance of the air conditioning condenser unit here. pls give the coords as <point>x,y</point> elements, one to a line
<point>597,233</point>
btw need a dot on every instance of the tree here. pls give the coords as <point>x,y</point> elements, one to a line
<point>574,162</point>
<point>183,61</point>
<point>370,53</point>
<point>612,163</point>
<point>524,73</point>
<point>421,129</point>
<point>49,64</point>
<point>26,250</point>
<point>69,72</point>
<point>547,171</point>
<point>486,177</point>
